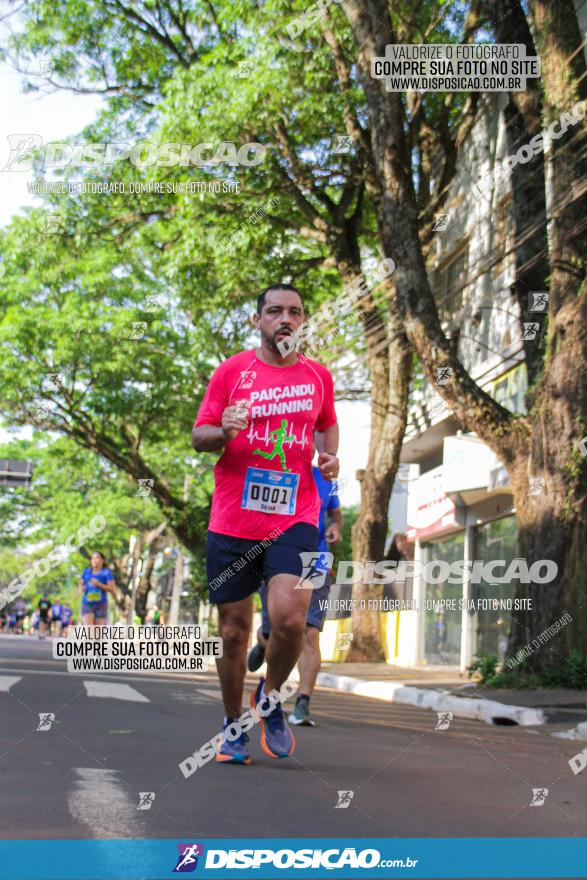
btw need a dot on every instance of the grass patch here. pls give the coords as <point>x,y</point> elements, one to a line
<point>572,674</point>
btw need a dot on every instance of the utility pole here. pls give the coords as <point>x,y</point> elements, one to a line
<point>173,618</point>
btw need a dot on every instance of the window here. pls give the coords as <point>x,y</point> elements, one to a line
<point>449,284</point>
<point>503,238</point>
<point>510,390</point>
<point>442,629</point>
<point>495,540</point>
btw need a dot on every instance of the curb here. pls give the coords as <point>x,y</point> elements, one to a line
<point>490,711</point>
<point>576,733</point>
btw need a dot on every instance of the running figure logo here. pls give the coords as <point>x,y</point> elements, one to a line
<point>531,329</point>
<point>344,799</point>
<point>46,719</point>
<point>444,719</point>
<point>146,799</point>
<point>537,301</point>
<point>247,379</point>
<point>279,437</point>
<point>188,857</point>
<point>316,565</point>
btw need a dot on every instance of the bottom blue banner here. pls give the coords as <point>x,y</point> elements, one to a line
<point>271,858</point>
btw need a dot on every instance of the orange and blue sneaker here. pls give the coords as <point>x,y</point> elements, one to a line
<point>277,740</point>
<point>233,751</point>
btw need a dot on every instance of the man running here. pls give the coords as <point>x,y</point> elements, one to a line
<point>264,514</point>
<point>57,610</point>
<point>43,607</point>
<point>66,619</point>
<point>309,660</point>
<point>20,611</point>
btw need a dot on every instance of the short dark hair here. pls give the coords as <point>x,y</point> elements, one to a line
<point>261,297</point>
<point>99,553</point>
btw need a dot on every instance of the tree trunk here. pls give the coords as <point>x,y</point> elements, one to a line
<point>390,382</point>
<point>145,582</point>
<point>149,541</point>
<point>553,524</point>
<point>388,361</point>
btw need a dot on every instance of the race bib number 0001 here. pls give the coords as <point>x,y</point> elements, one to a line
<point>270,491</point>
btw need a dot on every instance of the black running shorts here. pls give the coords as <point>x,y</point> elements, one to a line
<point>236,565</point>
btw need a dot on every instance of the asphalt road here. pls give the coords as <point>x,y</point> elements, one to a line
<point>82,778</point>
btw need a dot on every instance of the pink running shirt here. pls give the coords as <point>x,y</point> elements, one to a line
<point>263,479</point>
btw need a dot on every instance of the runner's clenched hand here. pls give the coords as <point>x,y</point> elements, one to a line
<point>333,535</point>
<point>328,465</point>
<point>234,420</point>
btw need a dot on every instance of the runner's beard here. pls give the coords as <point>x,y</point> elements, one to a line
<point>272,340</point>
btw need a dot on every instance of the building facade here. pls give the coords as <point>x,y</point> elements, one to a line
<point>460,506</point>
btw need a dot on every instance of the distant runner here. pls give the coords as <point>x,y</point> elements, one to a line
<point>96,582</point>
<point>309,660</point>
<point>66,619</point>
<point>260,404</point>
<point>57,610</point>
<point>20,610</point>
<point>154,616</point>
<point>43,607</point>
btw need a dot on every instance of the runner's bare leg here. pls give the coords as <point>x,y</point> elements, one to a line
<point>235,620</point>
<point>309,662</point>
<point>288,609</point>
<point>88,620</point>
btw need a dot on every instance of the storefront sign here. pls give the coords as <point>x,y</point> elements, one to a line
<point>465,464</point>
<point>430,512</point>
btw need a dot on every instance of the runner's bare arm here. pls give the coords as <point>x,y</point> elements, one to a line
<point>208,438</point>
<point>334,530</point>
<point>211,438</point>
<point>327,446</point>
<point>327,441</point>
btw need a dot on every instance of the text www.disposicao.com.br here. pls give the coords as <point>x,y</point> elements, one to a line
<point>142,664</point>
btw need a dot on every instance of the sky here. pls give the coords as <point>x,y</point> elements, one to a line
<point>50,116</point>
<point>53,117</point>
<point>60,114</point>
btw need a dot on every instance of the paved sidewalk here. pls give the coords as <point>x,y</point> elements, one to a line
<point>448,689</point>
<point>429,676</point>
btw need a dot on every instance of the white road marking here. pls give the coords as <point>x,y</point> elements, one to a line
<point>113,691</point>
<point>215,694</point>
<point>7,681</point>
<point>140,677</point>
<point>190,697</point>
<point>101,802</point>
